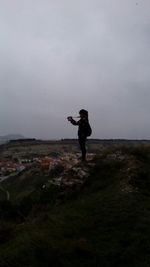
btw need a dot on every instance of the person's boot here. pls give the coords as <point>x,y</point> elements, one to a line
<point>83,159</point>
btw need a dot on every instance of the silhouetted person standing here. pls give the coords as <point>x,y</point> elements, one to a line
<point>84,130</point>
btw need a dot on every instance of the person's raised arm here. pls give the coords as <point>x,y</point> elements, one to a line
<point>73,121</point>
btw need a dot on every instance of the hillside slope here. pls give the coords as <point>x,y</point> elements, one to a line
<point>106,222</point>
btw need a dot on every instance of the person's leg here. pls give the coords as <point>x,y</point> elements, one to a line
<point>82,142</point>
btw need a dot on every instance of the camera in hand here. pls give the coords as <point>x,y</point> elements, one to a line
<point>69,118</point>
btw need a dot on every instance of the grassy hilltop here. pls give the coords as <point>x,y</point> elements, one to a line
<point>104,223</point>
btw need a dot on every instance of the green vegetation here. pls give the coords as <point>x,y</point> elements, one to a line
<point>106,224</point>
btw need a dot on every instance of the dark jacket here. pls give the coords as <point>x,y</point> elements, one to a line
<point>83,129</point>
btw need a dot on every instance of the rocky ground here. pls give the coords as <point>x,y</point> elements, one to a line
<point>74,177</point>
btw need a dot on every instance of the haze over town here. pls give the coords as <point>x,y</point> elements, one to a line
<point>58,56</point>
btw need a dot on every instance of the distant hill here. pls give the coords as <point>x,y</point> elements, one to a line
<point>6,138</point>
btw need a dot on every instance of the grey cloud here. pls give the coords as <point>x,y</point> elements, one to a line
<point>59,56</point>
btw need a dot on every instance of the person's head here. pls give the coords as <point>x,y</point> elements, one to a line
<point>83,113</point>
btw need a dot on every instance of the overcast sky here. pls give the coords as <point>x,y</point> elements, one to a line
<point>58,56</point>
